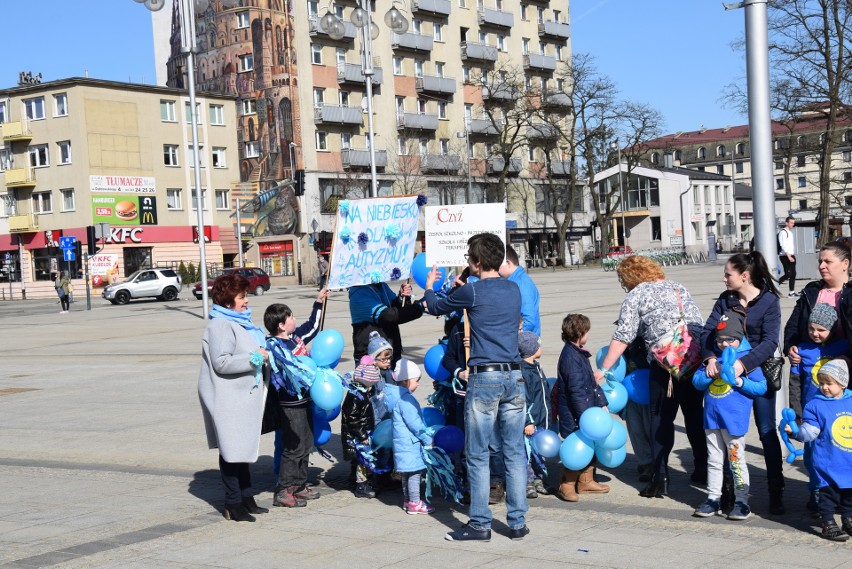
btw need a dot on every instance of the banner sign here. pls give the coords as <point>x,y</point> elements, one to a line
<point>373,241</point>
<point>448,227</point>
<point>103,268</point>
<point>122,184</point>
<point>123,209</point>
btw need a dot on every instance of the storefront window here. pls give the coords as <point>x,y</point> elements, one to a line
<point>277,259</point>
<point>136,258</point>
<point>47,262</point>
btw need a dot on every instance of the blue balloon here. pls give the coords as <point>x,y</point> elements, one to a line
<point>318,415</point>
<point>616,439</point>
<point>382,436</point>
<point>611,458</point>
<point>616,396</point>
<point>449,438</point>
<point>432,362</point>
<point>433,417</point>
<point>420,272</point>
<point>308,362</point>
<point>326,391</point>
<point>332,415</point>
<point>546,443</point>
<point>551,381</point>
<point>327,348</point>
<point>322,434</point>
<point>576,451</point>
<point>637,385</point>
<point>620,367</point>
<point>596,423</point>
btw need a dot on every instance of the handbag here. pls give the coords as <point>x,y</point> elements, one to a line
<point>772,368</point>
<point>272,415</point>
<point>677,351</point>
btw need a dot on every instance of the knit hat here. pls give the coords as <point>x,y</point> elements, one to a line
<point>405,370</point>
<point>836,370</point>
<point>528,343</point>
<point>823,315</point>
<point>731,325</point>
<point>366,373</point>
<point>377,344</point>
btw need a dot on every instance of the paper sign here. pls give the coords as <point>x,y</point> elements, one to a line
<point>448,227</point>
<point>373,241</point>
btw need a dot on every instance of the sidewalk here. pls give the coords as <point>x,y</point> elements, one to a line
<point>103,460</point>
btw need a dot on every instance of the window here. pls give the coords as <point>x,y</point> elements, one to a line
<point>483,38</point>
<point>246,62</point>
<point>401,146</point>
<point>190,156</point>
<point>34,108</point>
<point>466,74</point>
<point>397,65</point>
<point>322,140</point>
<point>779,183</point>
<point>188,116</point>
<point>678,155</point>
<point>252,149</point>
<point>804,182</point>
<point>701,154</point>
<point>524,12</point>
<point>423,145</point>
<point>655,158</point>
<point>4,113</point>
<point>5,158</point>
<point>740,149</point>
<point>525,46</point>
<point>243,20</point>
<point>720,169</point>
<point>531,153</point>
<point>38,156</point>
<point>222,201</point>
<point>421,106</point>
<point>803,204</point>
<point>400,105</point>
<point>167,111</point>
<point>558,52</point>
<point>345,140</point>
<point>217,114</point>
<point>417,26</point>
<point>170,155</point>
<point>319,96</point>
<point>442,109</point>
<point>64,147</point>
<point>203,199</point>
<point>445,146</point>
<point>219,157</point>
<point>847,156</point>
<point>173,199</point>
<point>60,105</point>
<point>738,166</point>
<point>501,42</point>
<point>418,68</point>
<point>541,15</point>
<point>437,32</point>
<point>248,107</point>
<point>316,54</point>
<point>847,136</point>
<point>439,69</point>
<point>847,176</point>
<point>779,165</point>
<point>721,151</point>
<point>656,229</point>
<point>340,55</point>
<point>800,160</point>
<point>343,98</point>
<point>42,202</point>
<point>542,48</point>
<point>68,200</point>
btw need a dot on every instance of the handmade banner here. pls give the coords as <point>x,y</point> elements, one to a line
<point>373,241</point>
<point>448,227</point>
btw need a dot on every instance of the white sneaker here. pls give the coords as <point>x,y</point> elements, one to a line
<point>792,294</point>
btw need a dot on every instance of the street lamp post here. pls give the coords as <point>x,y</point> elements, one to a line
<point>466,136</point>
<point>616,146</point>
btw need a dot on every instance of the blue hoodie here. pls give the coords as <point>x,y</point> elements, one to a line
<point>828,422</point>
<point>409,430</point>
<point>813,357</point>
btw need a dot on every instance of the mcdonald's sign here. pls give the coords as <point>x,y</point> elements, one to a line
<point>147,210</point>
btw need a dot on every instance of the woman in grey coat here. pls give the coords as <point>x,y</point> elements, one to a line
<point>232,391</point>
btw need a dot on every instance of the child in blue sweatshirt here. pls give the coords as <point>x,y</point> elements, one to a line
<point>727,409</point>
<point>827,421</point>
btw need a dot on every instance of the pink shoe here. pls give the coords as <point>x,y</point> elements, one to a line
<point>419,507</point>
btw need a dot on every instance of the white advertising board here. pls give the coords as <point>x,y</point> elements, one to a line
<point>448,227</point>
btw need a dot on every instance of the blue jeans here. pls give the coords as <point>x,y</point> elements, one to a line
<point>496,397</point>
<point>764,420</point>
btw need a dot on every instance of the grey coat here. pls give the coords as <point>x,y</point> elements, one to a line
<point>232,406</point>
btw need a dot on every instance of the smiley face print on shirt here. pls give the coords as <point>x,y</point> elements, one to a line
<point>841,432</point>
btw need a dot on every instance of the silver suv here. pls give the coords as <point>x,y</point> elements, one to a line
<point>163,284</point>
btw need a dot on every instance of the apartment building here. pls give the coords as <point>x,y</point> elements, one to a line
<point>74,149</point>
<point>302,104</point>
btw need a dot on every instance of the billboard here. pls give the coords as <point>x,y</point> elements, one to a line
<point>124,209</point>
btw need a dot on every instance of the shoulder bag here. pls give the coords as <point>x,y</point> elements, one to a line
<point>677,351</point>
<point>772,368</point>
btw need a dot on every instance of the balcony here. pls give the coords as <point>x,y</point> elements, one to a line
<point>560,168</point>
<point>352,73</point>
<point>416,121</point>
<point>496,163</point>
<point>314,29</point>
<point>440,163</point>
<point>437,7</point>
<point>20,178</point>
<point>499,93</point>
<point>496,18</point>
<point>438,85</point>
<point>557,101</point>
<point>336,114</point>
<point>360,158</point>
<point>539,61</point>
<point>478,51</point>
<point>542,131</point>
<point>27,223</point>
<point>16,131</point>
<point>556,30</point>
<point>483,127</point>
<point>411,41</point>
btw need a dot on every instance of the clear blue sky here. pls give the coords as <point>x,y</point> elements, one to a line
<point>672,54</point>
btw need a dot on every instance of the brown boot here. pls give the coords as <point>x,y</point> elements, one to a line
<point>586,482</point>
<point>568,486</point>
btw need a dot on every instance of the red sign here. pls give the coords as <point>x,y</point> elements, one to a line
<point>208,233</point>
<point>275,247</point>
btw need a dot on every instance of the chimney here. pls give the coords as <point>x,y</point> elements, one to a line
<point>668,161</point>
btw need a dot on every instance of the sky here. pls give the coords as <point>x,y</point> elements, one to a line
<point>674,55</point>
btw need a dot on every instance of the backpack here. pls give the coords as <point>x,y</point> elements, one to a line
<point>778,242</point>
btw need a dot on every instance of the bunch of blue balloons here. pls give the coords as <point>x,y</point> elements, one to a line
<point>600,436</point>
<point>326,389</point>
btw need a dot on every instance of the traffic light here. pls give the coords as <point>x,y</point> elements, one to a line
<point>91,240</point>
<point>300,182</point>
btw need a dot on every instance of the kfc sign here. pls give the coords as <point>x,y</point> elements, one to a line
<point>124,235</point>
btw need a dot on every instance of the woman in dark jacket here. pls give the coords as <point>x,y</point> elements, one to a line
<point>751,292</point>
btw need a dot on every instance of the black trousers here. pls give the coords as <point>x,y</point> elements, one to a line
<point>789,271</point>
<point>663,413</point>
<point>831,498</point>
<point>297,439</point>
<point>236,479</point>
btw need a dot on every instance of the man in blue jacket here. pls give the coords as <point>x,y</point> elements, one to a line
<point>511,270</point>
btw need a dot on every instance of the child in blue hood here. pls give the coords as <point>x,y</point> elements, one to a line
<point>727,410</point>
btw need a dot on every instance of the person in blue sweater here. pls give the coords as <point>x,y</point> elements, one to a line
<point>511,270</point>
<point>409,435</point>
<point>727,410</point>
<point>827,421</point>
<point>538,403</point>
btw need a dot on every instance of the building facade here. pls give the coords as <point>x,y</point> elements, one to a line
<point>77,152</point>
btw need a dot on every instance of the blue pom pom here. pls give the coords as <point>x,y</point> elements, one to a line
<point>395,274</point>
<point>345,234</point>
<point>392,232</point>
<point>343,206</point>
<point>376,277</point>
<point>421,200</point>
<point>363,238</point>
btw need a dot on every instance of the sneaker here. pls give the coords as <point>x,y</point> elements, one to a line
<point>740,512</point>
<point>831,532</point>
<point>364,490</point>
<point>531,491</point>
<point>496,494</point>
<point>469,533</point>
<point>517,534</point>
<point>707,508</point>
<point>792,294</point>
<point>847,524</point>
<point>305,492</point>
<point>284,498</point>
<point>418,507</point>
<point>540,488</point>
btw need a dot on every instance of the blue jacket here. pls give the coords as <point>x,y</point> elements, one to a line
<point>529,300</point>
<point>828,422</point>
<point>578,390</point>
<point>538,399</point>
<point>297,345</point>
<point>725,406</point>
<point>409,431</point>
<point>803,376</point>
<point>796,329</point>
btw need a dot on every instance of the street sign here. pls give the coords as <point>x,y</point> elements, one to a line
<point>8,257</point>
<point>69,255</point>
<point>67,243</point>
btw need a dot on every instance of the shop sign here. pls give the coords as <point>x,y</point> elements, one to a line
<point>122,209</point>
<point>122,184</point>
<point>125,234</point>
<point>274,247</point>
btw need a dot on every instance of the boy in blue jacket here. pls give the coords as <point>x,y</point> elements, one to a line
<point>827,421</point>
<point>538,399</point>
<point>727,409</point>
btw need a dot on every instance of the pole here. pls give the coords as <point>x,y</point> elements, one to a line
<point>621,189</point>
<point>86,277</point>
<point>469,166</point>
<point>367,71</point>
<point>239,237</point>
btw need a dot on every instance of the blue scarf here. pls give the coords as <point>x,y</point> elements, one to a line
<point>244,319</point>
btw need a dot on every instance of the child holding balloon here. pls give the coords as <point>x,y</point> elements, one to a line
<point>727,410</point>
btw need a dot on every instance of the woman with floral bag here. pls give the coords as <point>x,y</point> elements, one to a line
<point>663,314</point>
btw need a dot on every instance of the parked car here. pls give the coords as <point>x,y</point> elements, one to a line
<point>163,284</point>
<point>258,278</point>
<point>619,251</point>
